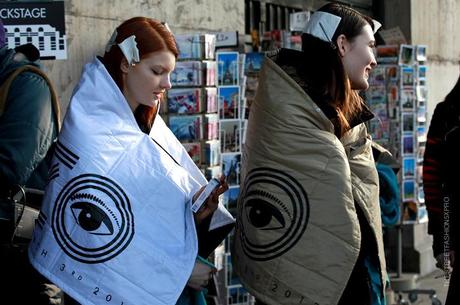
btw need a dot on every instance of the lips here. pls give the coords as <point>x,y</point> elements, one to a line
<point>158,95</point>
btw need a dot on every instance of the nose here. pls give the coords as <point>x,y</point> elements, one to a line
<point>373,61</point>
<point>166,82</point>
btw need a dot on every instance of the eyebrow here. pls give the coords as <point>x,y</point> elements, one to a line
<point>161,67</point>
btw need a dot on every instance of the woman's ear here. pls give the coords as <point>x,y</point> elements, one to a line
<point>124,65</point>
<point>342,44</point>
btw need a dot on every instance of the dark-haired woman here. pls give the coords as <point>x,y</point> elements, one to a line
<point>309,226</point>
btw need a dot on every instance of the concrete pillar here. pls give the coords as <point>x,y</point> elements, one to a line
<point>90,23</point>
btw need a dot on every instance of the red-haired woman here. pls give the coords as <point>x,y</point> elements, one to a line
<point>116,222</point>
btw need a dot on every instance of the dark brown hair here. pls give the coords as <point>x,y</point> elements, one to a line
<point>323,66</point>
<point>151,36</point>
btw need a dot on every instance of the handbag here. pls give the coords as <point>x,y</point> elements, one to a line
<point>12,207</point>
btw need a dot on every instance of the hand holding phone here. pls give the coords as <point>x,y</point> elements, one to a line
<point>210,187</point>
<point>206,200</point>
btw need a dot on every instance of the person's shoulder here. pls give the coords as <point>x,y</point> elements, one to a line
<point>440,111</point>
<point>32,75</point>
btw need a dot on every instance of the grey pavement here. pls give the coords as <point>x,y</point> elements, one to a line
<point>433,281</point>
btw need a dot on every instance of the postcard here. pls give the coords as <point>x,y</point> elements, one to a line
<point>187,73</point>
<point>189,46</point>
<point>210,72</point>
<point>409,167</point>
<point>230,199</point>
<point>421,53</point>
<point>253,62</point>
<point>238,295</point>
<point>419,173</point>
<point>232,281</point>
<point>408,144</point>
<point>194,151</point>
<point>241,65</point>
<point>229,99</point>
<point>377,77</point>
<point>408,99</point>
<point>211,126</point>
<point>211,154</point>
<point>421,194</point>
<point>231,163</point>
<point>407,76</point>
<point>230,135</point>
<point>421,132</point>
<point>211,100</point>
<point>186,127</point>
<point>421,152</point>
<point>209,45</point>
<point>408,122</point>
<point>421,114</point>
<point>422,93</point>
<point>227,68</point>
<point>184,101</point>
<point>387,54</point>
<point>408,190</point>
<point>406,54</point>
<point>392,73</point>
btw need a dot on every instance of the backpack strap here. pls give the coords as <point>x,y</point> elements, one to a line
<point>5,87</point>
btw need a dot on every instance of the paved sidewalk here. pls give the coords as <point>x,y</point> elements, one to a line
<point>433,281</point>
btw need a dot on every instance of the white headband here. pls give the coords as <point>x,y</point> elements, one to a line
<point>128,47</point>
<point>323,25</point>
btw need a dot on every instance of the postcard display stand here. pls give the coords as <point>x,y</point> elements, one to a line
<point>398,97</point>
<point>205,111</point>
<point>190,107</point>
<point>231,84</point>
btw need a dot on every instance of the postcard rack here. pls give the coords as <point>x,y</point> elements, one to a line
<point>398,98</point>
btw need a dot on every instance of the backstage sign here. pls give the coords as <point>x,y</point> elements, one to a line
<point>40,23</point>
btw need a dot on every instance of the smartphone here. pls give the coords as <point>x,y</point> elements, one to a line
<point>210,187</point>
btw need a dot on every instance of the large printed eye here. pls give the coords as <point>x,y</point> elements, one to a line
<point>92,218</point>
<point>273,212</point>
<point>263,211</point>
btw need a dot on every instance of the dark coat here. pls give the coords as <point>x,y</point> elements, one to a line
<point>440,180</point>
<point>28,126</point>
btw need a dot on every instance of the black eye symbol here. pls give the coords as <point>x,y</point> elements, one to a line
<point>261,213</point>
<point>92,218</point>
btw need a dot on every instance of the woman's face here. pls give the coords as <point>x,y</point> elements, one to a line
<point>145,82</point>
<point>358,57</point>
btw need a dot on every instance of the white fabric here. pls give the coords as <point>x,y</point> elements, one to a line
<point>322,25</point>
<point>377,25</point>
<point>129,49</point>
<point>145,246</point>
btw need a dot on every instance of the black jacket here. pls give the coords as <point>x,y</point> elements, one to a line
<point>28,126</point>
<point>440,175</point>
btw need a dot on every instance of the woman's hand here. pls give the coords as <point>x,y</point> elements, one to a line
<point>212,202</point>
<point>201,275</point>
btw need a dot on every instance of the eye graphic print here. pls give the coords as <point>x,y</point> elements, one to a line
<point>263,211</point>
<point>273,213</point>
<point>92,219</point>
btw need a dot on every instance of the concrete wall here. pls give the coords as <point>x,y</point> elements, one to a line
<point>436,24</point>
<point>89,24</point>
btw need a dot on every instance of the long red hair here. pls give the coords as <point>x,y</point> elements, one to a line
<point>151,36</point>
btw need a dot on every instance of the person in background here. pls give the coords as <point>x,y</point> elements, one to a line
<point>119,211</point>
<point>309,225</point>
<point>441,168</point>
<point>29,122</point>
